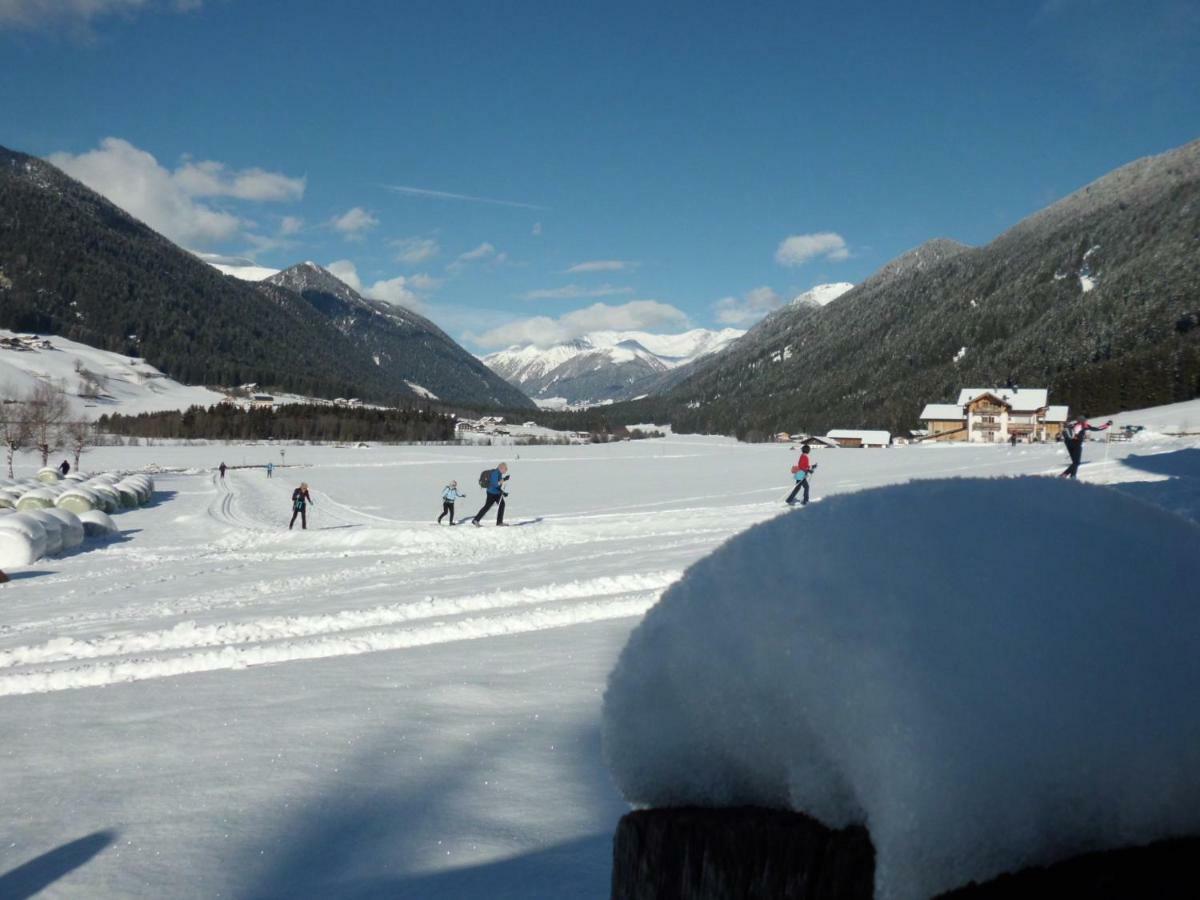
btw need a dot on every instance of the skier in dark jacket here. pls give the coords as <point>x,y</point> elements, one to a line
<point>222,468</point>
<point>64,468</point>
<point>495,495</point>
<point>800,471</point>
<point>1073,437</point>
<point>300,501</point>
<point>449,495</point>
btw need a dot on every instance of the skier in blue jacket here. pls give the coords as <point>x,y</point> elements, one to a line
<point>449,495</point>
<point>495,495</point>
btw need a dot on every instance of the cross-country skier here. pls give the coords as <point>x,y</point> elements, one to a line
<point>1073,437</point>
<point>495,494</point>
<point>300,501</point>
<point>222,467</point>
<point>270,469</point>
<point>449,495</point>
<point>800,471</point>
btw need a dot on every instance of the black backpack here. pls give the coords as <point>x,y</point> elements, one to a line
<point>485,477</point>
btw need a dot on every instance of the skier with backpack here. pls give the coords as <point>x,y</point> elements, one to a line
<point>801,471</point>
<point>449,495</point>
<point>300,501</point>
<point>492,480</point>
<point>1073,437</point>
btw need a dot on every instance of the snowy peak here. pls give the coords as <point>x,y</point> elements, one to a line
<point>308,276</point>
<point>822,294</point>
<point>604,365</point>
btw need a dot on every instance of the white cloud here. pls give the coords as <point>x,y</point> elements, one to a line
<point>290,225</point>
<point>353,223</point>
<point>747,309</point>
<point>415,250</point>
<point>397,291</point>
<point>213,179</point>
<point>601,265</point>
<point>636,315</point>
<point>134,180</point>
<point>575,292</point>
<point>537,229</point>
<point>800,248</point>
<point>166,200</point>
<point>423,282</point>
<point>485,252</point>
<point>38,13</point>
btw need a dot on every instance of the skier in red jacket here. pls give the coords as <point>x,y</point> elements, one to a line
<point>801,470</point>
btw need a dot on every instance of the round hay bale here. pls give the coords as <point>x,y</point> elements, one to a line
<point>49,475</point>
<point>77,500</point>
<point>54,530</point>
<point>127,494</point>
<point>98,524</point>
<point>35,499</point>
<point>72,527</point>
<point>22,540</point>
<point>8,501</point>
<point>106,494</point>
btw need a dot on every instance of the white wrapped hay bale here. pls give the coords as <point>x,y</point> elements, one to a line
<point>39,498</point>
<point>8,500</point>
<point>127,494</point>
<point>108,498</point>
<point>98,524</point>
<point>49,475</point>
<point>72,527</point>
<point>53,527</point>
<point>22,540</point>
<point>77,500</point>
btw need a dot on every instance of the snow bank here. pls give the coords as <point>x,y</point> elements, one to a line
<point>22,540</point>
<point>989,674</point>
<point>97,523</point>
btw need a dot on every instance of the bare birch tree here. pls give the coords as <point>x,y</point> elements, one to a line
<point>47,410</point>
<point>78,436</point>
<point>14,426</point>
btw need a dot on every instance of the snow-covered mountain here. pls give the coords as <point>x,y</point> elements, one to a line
<point>822,294</point>
<point>604,365</point>
<point>238,266</point>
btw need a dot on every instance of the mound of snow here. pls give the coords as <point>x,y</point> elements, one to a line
<point>22,540</point>
<point>97,523</point>
<point>982,683</point>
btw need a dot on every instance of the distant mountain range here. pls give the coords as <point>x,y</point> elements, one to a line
<point>1096,298</point>
<point>605,365</point>
<point>75,265</point>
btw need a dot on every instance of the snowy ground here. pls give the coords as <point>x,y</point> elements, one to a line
<point>214,706</point>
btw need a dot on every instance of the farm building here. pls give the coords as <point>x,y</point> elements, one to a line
<point>993,415</point>
<point>850,437</point>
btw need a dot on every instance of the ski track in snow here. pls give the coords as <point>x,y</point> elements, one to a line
<point>242,614</point>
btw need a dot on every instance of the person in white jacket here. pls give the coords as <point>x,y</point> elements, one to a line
<point>449,495</point>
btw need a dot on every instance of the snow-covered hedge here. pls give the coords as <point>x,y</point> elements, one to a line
<point>987,674</point>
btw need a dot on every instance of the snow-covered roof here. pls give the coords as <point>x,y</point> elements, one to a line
<point>1056,414</point>
<point>1020,399</point>
<point>867,437</point>
<point>942,411</point>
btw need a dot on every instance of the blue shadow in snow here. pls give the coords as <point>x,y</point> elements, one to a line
<point>1179,494</point>
<point>36,875</point>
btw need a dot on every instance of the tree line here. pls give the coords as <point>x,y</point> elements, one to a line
<point>41,420</point>
<point>288,422</point>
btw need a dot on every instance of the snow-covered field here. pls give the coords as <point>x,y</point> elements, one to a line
<point>213,706</point>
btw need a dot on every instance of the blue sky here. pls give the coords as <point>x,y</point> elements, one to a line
<point>465,157</point>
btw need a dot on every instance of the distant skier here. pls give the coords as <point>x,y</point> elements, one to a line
<point>449,495</point>
<point>222,468</point>
<point>64,468</point>
<point>800,471</point>
<point>300,501</point>
<point>1012,440</point>
<point>270,469</point>
<point>1073,437</point>
<point>495,493</point>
